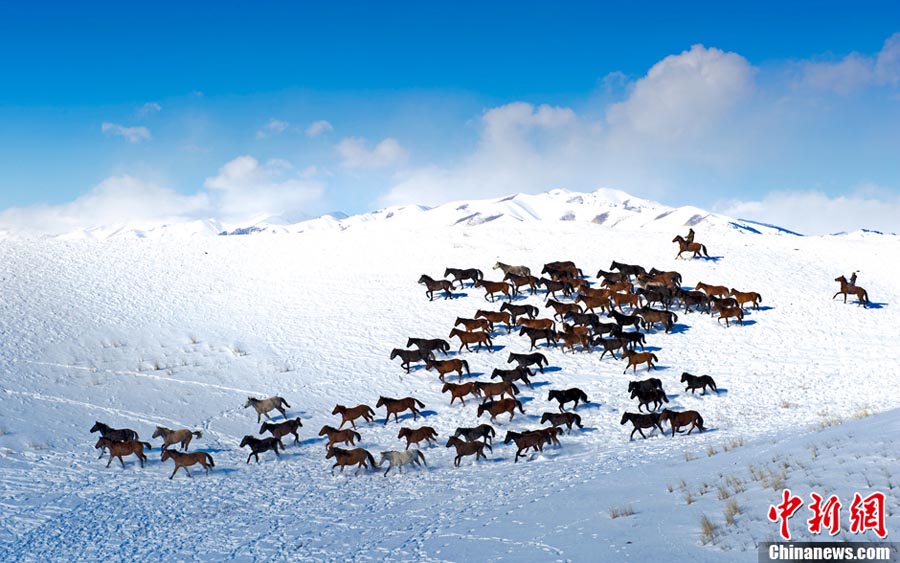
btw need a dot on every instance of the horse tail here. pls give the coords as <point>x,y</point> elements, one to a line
<point>865,296</point>
<point>135,434</point>
<point>197,433</point>
<point>371,460</point>
<point>703,247</point>
<point>652,355</point>
<point>577,420</point>
<point>285,403</point>
<point>543,358</point>
<point>421,456</point>
<point>712,383</point>
<point>465,364</point>
<point>700,422</point>
<point>420,403</point>
<point>675,317</point>
<point>147,445</point>
<point>514,388</point>
<point>479,276</point>
<point>519,404</point>
<point>209,459</point>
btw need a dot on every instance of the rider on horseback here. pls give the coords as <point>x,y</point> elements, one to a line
<point>853,279</point>
<point>690,236</point>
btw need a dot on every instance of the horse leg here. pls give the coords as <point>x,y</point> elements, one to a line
<point>388,469</point>
<point>122,461</point>
<point>188,472</point>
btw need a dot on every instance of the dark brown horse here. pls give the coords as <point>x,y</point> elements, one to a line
<point>114,434</point>
<point>495,317</point>
<point>562,418</point>
<point>356,456</point>
<point>642,421</point>
<point>461,274</point>
<point>463,449</point>
<point>258,446</point>
<point>429,344</point>
<point>185,460</point>
<point>409,356</point>
<point>351,414</point>
<point>525,360</point>
<point>491,390</point>
<point>610,345</point>
<point>727,312</point>
<point>701,382</point>
<point>517,311</point>
<point>538,334</point>
<point>521,281</point>
<point>655,395</point>
<point>653,316</point>
<point>679,419</point>
<point>627,269</point>
<point>862,296</point>
<point>396,406</point>
<point>416,435</point>
<point>432,285</point>
<point>281,429</point>
<point>484,432</point>
<point>516,374</point>
<point>467,338</point>
<point>495,408</point>
<point>562,308</point>
<point>119,449</point>
<point>444,367</point>
<point>524,442</point>
<point>335,436</point>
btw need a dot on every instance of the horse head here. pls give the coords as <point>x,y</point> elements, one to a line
<point>100,443</point>
<point>338,409</point>
<point>545,417</point>
<point>510,436</point>
<point>452,441</point>
<point>160,430</point>
<point>394,353</point>
<point>97,427</point>
<point>330,453</point>
<point>250,401</point>
<point>684,376</point>
<point>381,401</point>
<point>246,441</point>
<point>625,417</point>
<point>166,454</point>
<point>404,432</point>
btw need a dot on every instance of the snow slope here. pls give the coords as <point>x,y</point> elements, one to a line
<point>180,330</point>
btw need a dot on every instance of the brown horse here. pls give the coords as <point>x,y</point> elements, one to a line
<point>357,456</point>
<point>520,281</point>
<point>625,286</point>
<point>653,316</point>
<point>637,358</point>
<point>185,460</point>
<point>396,406</point>
<point>726,312</point>
<point>679,419</point>
<point>444,367</point>
<point>467,338</point>
<point>747,297</point>
<point>525,441</point>
<point>460,391</point>
<point>621,299</point>
<point>471,325</point>
<point>416,435</point>
<point>491,390</point>
<point>263,406</point>
<point>685,246</point>
<point>537,323</point>
<point>862,296</point>
<point>495,317</point>
<point>475,448</point>
<point>171,437</point>
<point>432,285</point>
<point>571,339</point>
<point>350,415</point>
<point>281,429</point>
<point>592,302</point>
<point>335,436</point>
<point>409,356</point>
<point>712,290</point>
<point>495,408</point>
<point>119,449</point>
<point>562,308</point>
<point>492,287</point>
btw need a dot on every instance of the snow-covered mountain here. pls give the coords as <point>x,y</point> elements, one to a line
<point>604,207</point>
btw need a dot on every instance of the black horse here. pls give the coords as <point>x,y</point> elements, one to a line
<point>645,385</point>
<point>701,382</point>
<point>257,446</point>
<point>482,431</point>
<point>560,418</point>
<point>460,274</point>
<point>567,396</point>
<point>627,269</point>
<point>429,344</point>
<point>409,356</point>
<point>634,339</point>
<point>656,396</point>
<point>525,360</point>
<point>516,311</point>
<point>641,421</point>
<point>518,373</point>
<point>610,345</point>
<point>536,334</point>
<point>625,320</point>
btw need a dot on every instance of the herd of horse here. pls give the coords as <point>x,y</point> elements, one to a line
<point>585,316</point>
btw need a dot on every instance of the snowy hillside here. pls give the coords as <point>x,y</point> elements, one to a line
<point>179,330</point>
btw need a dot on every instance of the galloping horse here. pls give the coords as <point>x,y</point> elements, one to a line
<point>432,285</point>
<point>416,435</point>
<point>861,295</point>
<point>685,246</point>
<point>343,458</point>
<point>351,414</point>
<point>185,460</point>
<point>119,449</point>
<point>263,406</point>
<point>444,367</point>
<point>475,448</point>
<point>281,429</point>
<point>396,406</point>
<point>171,437</point>
<point>400,459</point>
<point>679,419</point>
<point>460,275</point>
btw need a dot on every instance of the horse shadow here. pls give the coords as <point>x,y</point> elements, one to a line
<point>458,295</point>
<point>496,348</point>
<point>540,383</point>
<point>747,322</point>
<point>714,259</point>
<point>591,405</point>
<point>311,441</point>
<point>551,369</point>
<point>647,348</point>
<point>524,400</point>
<point>679,328</point>
<point>874,305</point>
<point>764,308</point>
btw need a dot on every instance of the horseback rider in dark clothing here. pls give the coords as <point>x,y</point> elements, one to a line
<point>690,236</point>
<point>853,279</point>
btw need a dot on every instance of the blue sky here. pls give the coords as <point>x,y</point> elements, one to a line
<point>750,108</point>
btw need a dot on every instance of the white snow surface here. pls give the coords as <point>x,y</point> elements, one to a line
<point>180,330</point>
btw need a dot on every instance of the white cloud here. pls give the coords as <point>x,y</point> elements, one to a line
<point>813,212</point>
<point>244,189</point>
<point>131,134</point>
<point>148,108</point>
<point>355,153</point>
<point>854,72</point>
<point>115,201</point>
<point>684,95</point>
<point>273,127</point>
<point>317,128</point>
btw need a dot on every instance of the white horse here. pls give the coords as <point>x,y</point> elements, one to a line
<point>263,406</point>
<point>402,458</point>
